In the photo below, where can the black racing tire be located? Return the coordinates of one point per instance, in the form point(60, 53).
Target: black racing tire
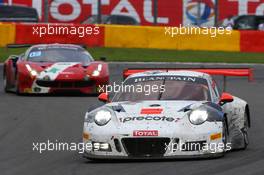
point(17, 86)
point(5, 82)
point(225, 134)
point(245, 131)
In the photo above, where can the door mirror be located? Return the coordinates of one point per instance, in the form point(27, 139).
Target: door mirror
point(103, 97)
point(14, 59)
point(226, 98)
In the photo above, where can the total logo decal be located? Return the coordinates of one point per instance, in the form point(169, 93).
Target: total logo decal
point(146, 133)
point(79, 10)
point(149, 118)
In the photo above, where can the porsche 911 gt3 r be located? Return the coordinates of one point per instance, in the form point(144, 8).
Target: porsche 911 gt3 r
point(52, 68)
point(186, 118)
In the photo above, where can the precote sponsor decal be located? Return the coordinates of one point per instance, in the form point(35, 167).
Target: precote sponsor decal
point(149, 118)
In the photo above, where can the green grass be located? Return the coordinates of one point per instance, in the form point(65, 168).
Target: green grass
point(155, 55)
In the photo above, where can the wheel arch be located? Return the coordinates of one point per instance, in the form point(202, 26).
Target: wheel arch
point(226, 121)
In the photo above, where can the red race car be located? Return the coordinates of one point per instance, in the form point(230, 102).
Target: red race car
point(51, 68)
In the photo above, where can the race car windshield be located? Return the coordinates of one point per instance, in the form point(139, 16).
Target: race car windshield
point(60, 55)
point(164, 88)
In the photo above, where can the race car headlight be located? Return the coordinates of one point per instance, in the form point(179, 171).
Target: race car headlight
point(98, 70)
point(96, 73)
point(34, 73)
point(31, 71)
point(102, 117)
point(198, 117)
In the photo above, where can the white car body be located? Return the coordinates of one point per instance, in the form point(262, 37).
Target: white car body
point(132, 135)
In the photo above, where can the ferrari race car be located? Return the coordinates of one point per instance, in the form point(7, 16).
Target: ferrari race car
point(184, 116)
point(51, 68)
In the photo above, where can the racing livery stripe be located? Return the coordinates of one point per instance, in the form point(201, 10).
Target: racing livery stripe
point(55, 70)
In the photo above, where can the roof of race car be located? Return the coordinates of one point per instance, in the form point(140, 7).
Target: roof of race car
point(57, 45)
point(172, 73)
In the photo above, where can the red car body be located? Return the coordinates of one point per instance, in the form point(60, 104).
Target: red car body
point(24, 76)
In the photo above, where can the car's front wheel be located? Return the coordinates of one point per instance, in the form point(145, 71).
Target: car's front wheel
point(245, 131)
point(225, 134)
point(5, 83)
point(17, 86)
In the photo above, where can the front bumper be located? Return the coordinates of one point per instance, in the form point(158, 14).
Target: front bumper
point(113, 157)
point(46, 90)
point(152, 148)
point(28, 84)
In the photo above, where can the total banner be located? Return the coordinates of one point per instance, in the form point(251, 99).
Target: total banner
point(169, 13)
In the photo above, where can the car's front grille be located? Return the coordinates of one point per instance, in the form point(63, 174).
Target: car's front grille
point(117, 145)
point(145, 147)
point(64, 84)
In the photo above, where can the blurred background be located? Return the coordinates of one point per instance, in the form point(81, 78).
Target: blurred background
point(142, 22)
point(142, 12)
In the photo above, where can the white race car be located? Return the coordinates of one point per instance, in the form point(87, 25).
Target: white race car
point(168, 114)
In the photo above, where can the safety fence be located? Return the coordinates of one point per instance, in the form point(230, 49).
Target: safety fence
point(130, 37)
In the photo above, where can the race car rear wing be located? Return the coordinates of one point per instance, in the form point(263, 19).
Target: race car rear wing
point(225, 72)
point(11, 46)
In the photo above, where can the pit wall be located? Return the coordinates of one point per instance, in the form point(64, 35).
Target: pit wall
point(137, 37)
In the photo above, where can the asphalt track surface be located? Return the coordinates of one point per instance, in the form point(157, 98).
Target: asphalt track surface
point(28, 119)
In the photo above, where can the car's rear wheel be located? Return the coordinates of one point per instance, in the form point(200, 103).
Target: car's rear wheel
point(245, 131)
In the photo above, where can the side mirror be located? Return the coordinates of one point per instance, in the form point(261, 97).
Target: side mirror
point(14, 59)
point(102, 58)
point(226, 98)
point(103, 97)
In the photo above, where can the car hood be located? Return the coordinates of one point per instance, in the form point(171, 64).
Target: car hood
point(61, 70)
point(156, 113)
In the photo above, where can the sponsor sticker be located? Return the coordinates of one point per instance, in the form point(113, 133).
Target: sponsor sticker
point(149, 118)
point(216, 136)
point(35, 54)
point(151, 111)
point(146, 133)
